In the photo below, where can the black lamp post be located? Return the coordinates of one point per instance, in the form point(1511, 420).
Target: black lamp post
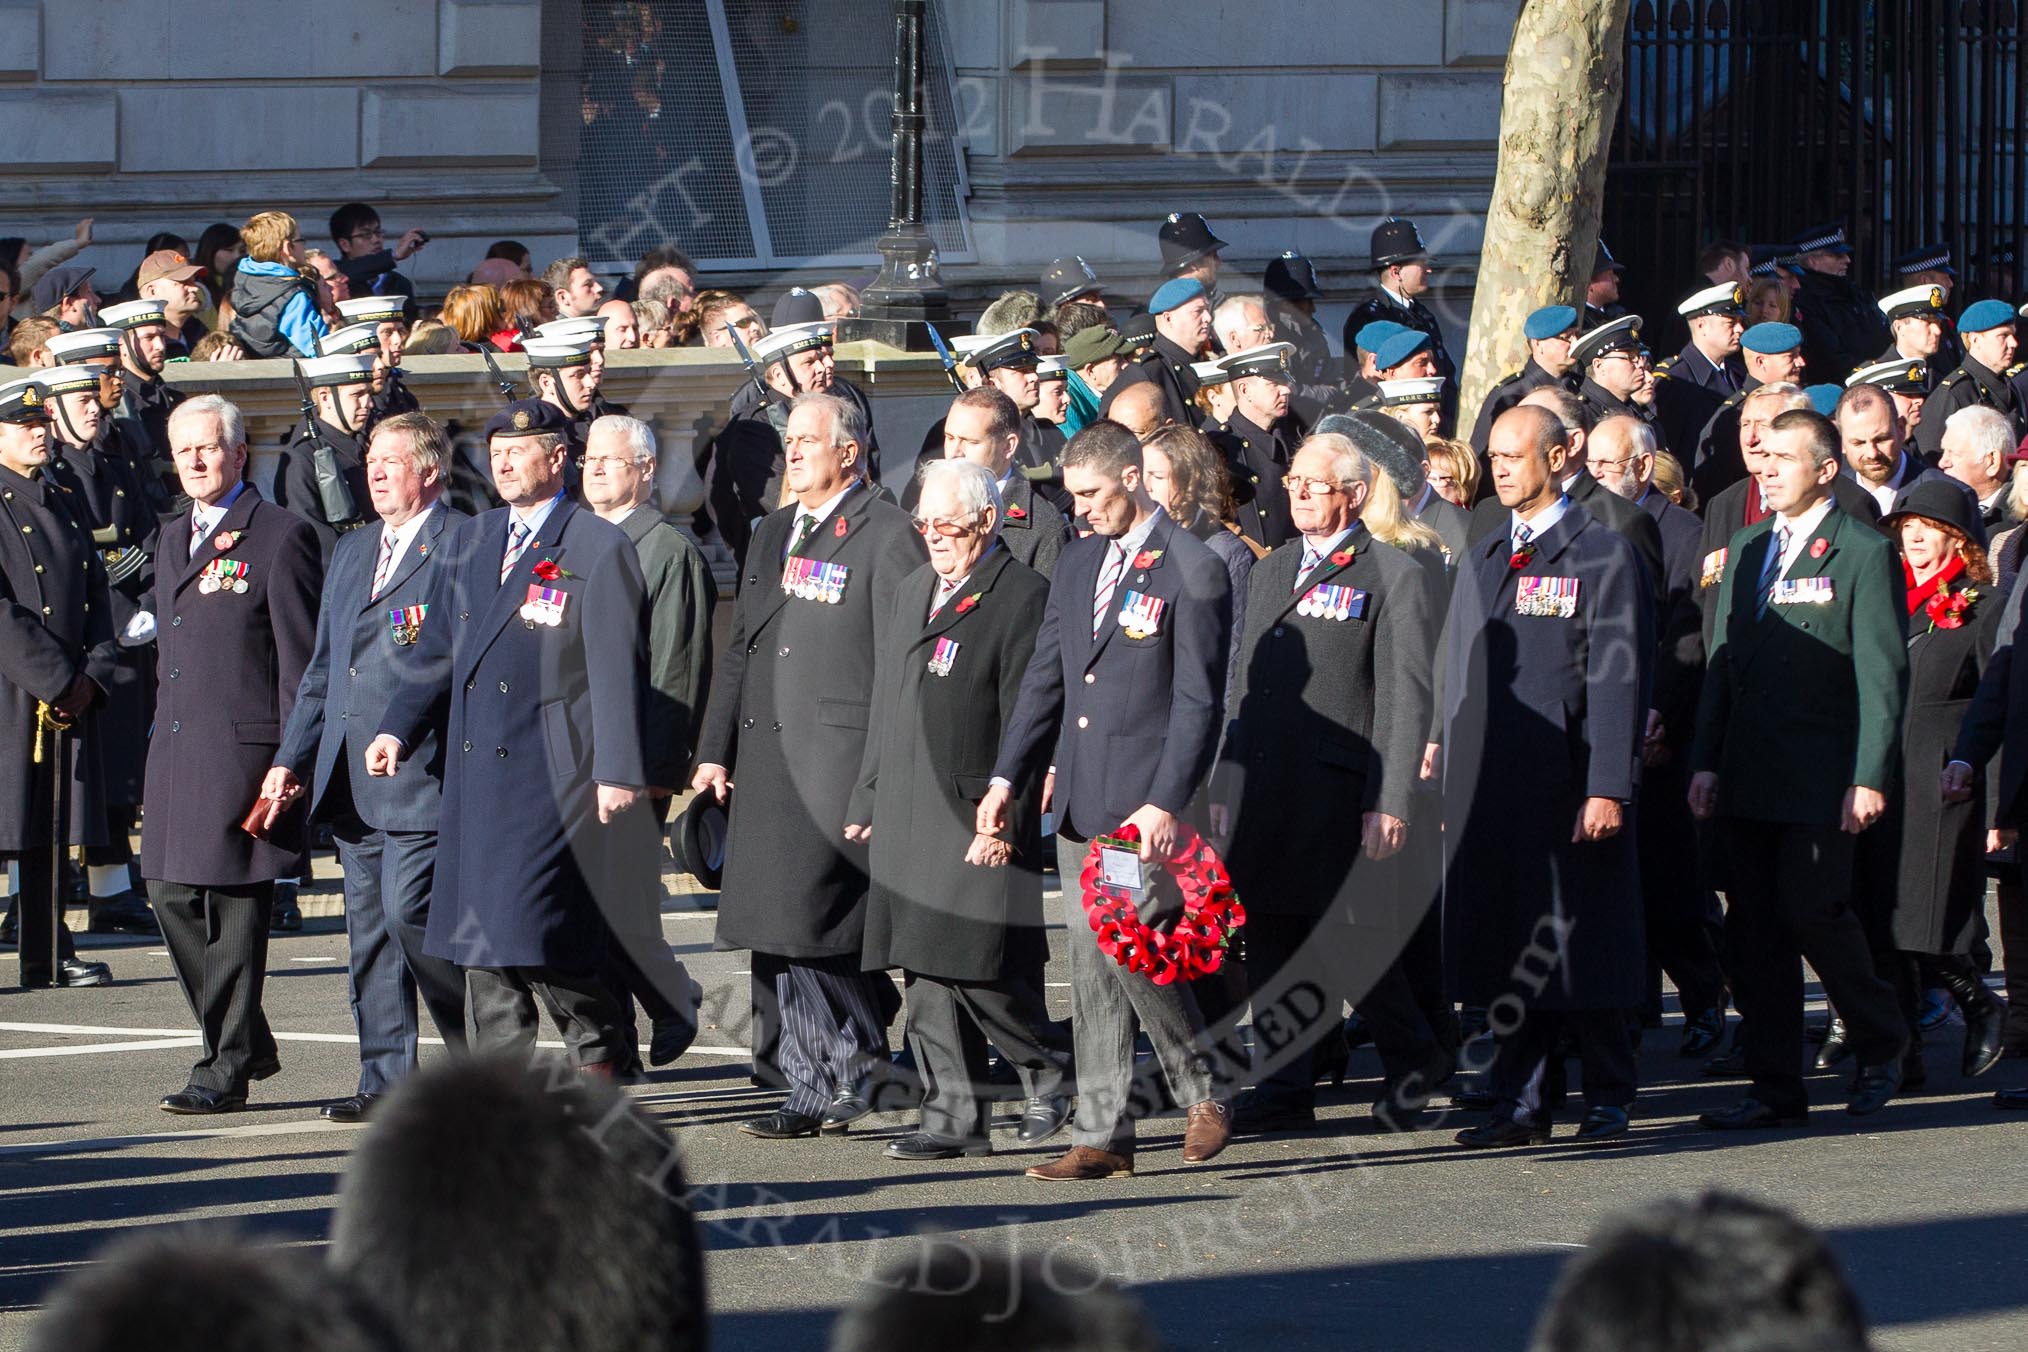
point(910, 288)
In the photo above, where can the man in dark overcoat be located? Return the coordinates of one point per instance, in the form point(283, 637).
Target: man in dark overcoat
point(535, 686)
point(236, 584)
point(787, 724)
point(372, 613)
point(959, 913)
point(57, 658)
point(1549, 649)
point(1327, 731)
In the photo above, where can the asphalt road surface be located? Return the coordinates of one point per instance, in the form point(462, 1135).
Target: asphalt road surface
point(1341, 1239)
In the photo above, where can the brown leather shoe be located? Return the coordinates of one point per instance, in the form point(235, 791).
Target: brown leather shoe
point(1081, 1162)
point(1206, 1130)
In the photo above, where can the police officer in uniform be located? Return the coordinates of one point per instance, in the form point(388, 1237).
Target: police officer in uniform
point(56, 656)
point(389, 316)
point(1181, 309)
point(1069, 279)
point(141, 417)
point(1401, 274)
point(1920, 324)
point(1772, 353)
point(1259, 439)
point(1550, 331)
point(112, 507)
point(1982, 378)
point(1190, 250)
point(341, 391)
point(1841, 323)
point(1602, 292)
point(1291, 293)
point(1930, 265)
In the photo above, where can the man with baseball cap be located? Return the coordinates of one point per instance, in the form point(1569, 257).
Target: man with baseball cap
point(65, 295)
point(1401, 273)
point(173, 280)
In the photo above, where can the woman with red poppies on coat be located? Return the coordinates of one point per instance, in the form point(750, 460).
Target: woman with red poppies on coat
point(1920, 872)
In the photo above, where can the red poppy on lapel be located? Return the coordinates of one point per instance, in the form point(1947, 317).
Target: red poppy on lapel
point(1947, 610)
point(547, 570)
point(226, 539)
point(968, 602)
point(1146, 558)
point(1341, 558)
point(1523, 556)
point(839, 529)
point(1017, 514)
point(1818, 548)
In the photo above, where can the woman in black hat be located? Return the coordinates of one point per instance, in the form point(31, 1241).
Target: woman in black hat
point(1920, 873)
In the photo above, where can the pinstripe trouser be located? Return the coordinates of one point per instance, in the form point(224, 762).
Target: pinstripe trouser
point(832, 1028)
point(217, 939)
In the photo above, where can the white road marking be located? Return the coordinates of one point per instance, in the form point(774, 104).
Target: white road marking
point(89, 1144)
point(89, 1048)
point(337, 959)
point(181, 1036)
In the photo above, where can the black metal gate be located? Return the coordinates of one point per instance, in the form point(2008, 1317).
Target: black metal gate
point(1754, 120)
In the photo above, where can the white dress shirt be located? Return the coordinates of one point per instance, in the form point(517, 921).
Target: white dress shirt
point(1544, 518)
point(1800, 530)
point(402, 537)
point(204, 519)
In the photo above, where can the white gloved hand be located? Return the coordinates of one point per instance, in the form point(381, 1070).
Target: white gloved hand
point(140, 629)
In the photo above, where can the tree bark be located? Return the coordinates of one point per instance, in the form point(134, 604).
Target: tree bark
point(1562, 97)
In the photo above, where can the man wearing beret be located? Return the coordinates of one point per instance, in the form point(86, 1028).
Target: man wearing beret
point(1984, 377)
point(1772, 353)
point(1550, 331)
point(1182, 311)
point(1401, 274)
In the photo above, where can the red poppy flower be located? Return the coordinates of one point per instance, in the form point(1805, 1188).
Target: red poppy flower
point(1146, 558)
point(224, 540)
point(1017, 514)
point(1818, 548)
point(968, 603)
point(1523, 556)
point(839, 529)
point(1341, 558)
point(1947, 610)
point(547, 570)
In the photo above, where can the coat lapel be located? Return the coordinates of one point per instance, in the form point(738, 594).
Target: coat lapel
point(507, 600)
point(979, 584)
point(1132, 578)
point(425, 543)
point(235, 519)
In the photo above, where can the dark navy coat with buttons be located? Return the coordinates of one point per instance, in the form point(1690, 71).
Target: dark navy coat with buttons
point(227, 666)
point(788, 717)
point(534, 717)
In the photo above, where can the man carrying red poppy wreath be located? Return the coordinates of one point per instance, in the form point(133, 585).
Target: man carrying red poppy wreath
point(1126, 684)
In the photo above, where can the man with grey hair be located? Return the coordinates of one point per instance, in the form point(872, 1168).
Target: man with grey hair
point(1241, 323)
point(788, 723)
point(619, 484)
point(1979, 451)
point(374, 605)
point(959, 912)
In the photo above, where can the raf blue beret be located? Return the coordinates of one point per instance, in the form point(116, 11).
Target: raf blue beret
point(1549, 321)
point(1985, 314)
point(1824, 398)
point(1768, 339)
point(1176, 292)
point(1399, 348)
point(1373, 335)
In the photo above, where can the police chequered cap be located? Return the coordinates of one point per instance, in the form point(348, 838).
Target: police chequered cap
point(351, 339)
point(1605, 262)
point(580, 329)
point(1270, 360)
point(1066, 279)
point(374, 309)
point(1727, 298)
point(1766, 258)
point(1052, 368)
point(1615, 335)
point(1292, 277)
point(1901, 376)
point(1771, 338)
point(526, 418)
point(1416, 390)
point(551, 353)
point(344, 368)
point(1982, 315)
point(1399, 347)
point(1006, 351)
point(83, 345)
point(1210, 373)
point(1396, 240)
point(22, 401)
point(1916, 300)
point(1926, 258)
point(135, 314)
point(1184, 238)
point(1371, 336)
point(781, 343)
point(69, 379)
point(1823, 239)
point(1548, 322)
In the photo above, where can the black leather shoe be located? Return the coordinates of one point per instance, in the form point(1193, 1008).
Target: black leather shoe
point(1873, 1086)
point(1702, 1032)
point(1264, 1117)
point(77, 972)
point(781, 1125)
point(848, 1104)
point(669, 1039)
point(1730, 1065)
point(354, 1109)
point(1042, 1118)
point(10, 927)
point(287, 916)
point(190, 1101)
point(1835, 1048)
point(127, 913)
point(1602, 1123)
point(2014, 1100)
point(922, 1145)
point(1473, 1098)
point(1502, 1131)
point(1391, 1116)
point(1751, 1115)
point(1985, 1021)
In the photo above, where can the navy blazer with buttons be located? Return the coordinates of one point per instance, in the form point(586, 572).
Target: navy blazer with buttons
point(353, 675)
point(1133, 721)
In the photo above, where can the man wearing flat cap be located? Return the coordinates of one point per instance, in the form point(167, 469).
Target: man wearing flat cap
point(1842, 324)
point(1181, 309)
point(1258, 439)
point(1550, 331)
point(1401, 272)
point(321, 476)
point(1987, 327)
point(65, 295)
point(1772, 353)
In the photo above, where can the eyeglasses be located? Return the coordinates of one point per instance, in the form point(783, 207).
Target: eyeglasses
point(607, 461)
point(368, 232)
point(1302, 488)
point(948, 527)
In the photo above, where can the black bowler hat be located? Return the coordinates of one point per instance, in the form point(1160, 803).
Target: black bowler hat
point(1396, 240)
point(1945, 501)
point(1185, 238)
point(1292, 277)
point(697, 839)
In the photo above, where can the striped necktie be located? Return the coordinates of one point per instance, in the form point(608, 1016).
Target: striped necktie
point(386, 564)
point(1522, 535)
point(196, 533)
point(517, 541)
point(1771, 571)
point(1109, 579)
point(1311, 558)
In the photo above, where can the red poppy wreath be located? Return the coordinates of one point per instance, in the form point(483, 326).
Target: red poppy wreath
point(1197, 944)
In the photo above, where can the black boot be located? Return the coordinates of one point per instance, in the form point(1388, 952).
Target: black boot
point(1835, 1048)
point(1985, 1019)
